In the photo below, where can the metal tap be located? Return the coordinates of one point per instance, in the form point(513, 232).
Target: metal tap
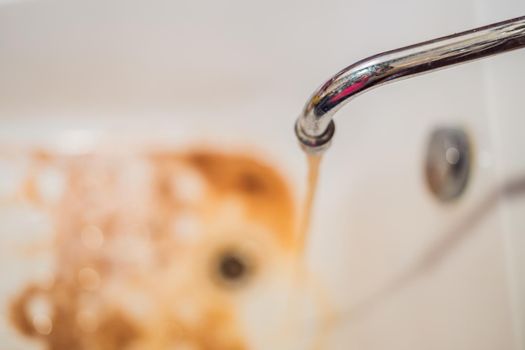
point(315, 128)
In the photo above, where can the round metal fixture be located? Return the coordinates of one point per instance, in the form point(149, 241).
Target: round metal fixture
point(448, 163)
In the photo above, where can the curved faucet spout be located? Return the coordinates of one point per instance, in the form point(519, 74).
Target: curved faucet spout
point(315, 128)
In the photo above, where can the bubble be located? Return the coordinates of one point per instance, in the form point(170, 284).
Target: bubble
point(42, 324)
point(88, 278)
point(92, 237)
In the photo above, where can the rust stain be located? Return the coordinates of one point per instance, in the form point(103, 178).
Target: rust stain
point(129, 235)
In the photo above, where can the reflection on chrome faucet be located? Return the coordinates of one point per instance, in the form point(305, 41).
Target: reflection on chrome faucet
point(315, 128)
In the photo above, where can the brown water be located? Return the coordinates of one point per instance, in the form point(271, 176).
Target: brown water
point(121, 230)
point(314, 161)
point(325, 310)
point(146, 202)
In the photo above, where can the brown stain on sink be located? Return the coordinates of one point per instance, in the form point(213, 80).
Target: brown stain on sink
point(134, 241)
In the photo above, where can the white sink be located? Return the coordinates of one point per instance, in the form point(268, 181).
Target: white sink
point(235, 74)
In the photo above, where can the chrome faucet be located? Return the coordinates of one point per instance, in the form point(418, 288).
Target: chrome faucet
point(315, 128)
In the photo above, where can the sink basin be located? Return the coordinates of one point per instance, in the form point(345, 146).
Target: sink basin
point(387, 264)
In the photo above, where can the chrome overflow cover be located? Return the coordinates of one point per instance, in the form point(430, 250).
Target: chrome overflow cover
point(448, 163)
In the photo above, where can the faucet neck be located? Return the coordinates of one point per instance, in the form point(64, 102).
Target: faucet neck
point(315, 127)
